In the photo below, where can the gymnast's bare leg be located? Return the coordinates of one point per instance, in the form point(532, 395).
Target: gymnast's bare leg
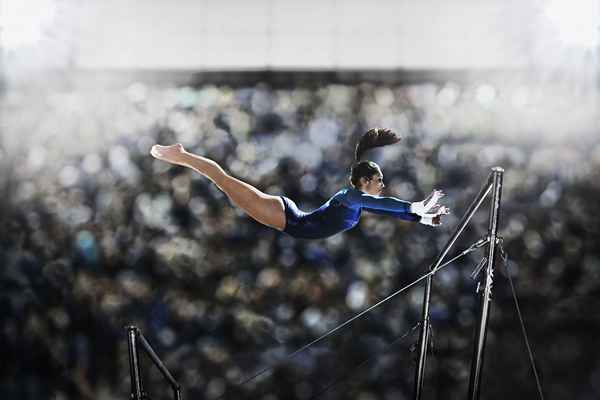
point(264, 208)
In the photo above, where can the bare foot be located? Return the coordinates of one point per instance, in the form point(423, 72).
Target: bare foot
point(172, 154)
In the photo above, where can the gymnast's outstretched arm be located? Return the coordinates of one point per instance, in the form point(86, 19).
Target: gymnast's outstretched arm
point(428, 211)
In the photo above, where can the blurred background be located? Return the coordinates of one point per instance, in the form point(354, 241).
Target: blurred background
point(96, 235)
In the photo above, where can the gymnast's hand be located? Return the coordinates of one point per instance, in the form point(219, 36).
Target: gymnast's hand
point(429, 205)
point(434, 217)
point(172, 154)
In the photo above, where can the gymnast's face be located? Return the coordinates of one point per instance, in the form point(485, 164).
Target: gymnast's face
point(374, 185)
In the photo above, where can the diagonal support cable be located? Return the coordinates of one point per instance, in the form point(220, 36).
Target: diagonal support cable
point(345, 377)
point(522, 322)
point(349, 321)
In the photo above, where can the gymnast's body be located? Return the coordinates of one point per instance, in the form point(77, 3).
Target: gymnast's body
point(340, 213)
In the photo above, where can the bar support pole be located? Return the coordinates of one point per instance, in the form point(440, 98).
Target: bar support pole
point(424, 335)
point(485, 294)
point(134, 363)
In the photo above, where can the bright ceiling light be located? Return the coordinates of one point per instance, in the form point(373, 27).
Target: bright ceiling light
point(24, 23)
point(577, 21)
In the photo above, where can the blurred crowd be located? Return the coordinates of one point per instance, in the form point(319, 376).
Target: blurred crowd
point(96, 235)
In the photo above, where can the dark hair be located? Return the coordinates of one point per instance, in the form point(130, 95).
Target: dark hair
point(375, 137)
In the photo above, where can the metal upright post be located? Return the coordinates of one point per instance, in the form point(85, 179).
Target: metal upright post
point(423, 341)
point(177, 393)
point(485, 294)
point(135, 337)
point(134, 363)
point(424, 336)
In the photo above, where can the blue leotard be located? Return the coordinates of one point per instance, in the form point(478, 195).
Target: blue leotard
point(341, 212)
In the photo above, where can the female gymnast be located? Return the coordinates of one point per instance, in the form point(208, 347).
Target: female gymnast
point(340, 213)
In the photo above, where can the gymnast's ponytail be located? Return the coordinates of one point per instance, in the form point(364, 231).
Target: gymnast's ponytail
point(375, 137)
